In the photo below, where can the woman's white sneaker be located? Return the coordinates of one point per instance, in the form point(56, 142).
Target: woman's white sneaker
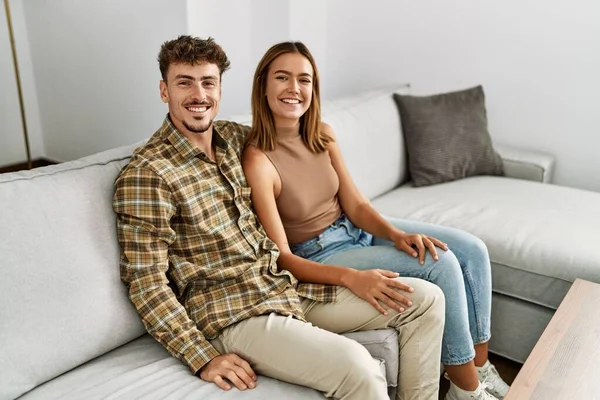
point(456, 393)
point(495, 384)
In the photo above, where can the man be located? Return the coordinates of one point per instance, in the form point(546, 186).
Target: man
point(203, 274)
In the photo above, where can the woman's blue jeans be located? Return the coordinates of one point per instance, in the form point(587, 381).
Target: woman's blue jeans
point(463, 273)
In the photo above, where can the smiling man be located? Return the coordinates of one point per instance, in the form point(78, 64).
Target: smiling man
point(201, 271)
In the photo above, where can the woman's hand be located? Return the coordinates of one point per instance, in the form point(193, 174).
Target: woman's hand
point(407, 242)
point(378, 286)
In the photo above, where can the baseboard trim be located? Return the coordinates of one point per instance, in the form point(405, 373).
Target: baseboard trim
point(36, 163)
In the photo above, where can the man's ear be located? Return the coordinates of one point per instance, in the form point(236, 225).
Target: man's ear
point(164, 94)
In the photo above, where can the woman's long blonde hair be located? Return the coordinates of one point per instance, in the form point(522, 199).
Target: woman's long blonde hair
point(262, 134)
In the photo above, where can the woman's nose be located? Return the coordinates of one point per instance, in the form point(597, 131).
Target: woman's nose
point(293, 86)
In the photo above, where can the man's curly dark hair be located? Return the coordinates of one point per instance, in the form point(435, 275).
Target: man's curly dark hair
point(191, 50)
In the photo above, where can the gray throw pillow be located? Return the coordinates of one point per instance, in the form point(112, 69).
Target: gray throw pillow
point(447, 137)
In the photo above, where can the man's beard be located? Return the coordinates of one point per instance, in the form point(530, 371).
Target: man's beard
point(198, 128)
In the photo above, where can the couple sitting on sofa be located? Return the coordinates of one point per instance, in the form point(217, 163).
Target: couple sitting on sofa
point(231, 295)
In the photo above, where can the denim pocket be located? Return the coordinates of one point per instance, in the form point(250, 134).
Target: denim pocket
point(340, 235)
point(349, 231)
point(307, 249)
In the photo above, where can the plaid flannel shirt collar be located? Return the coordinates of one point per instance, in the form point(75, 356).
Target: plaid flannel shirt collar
point(182, 144)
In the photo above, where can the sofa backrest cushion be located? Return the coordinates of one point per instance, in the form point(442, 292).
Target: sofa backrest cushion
point(61, 299)
point(369, 133)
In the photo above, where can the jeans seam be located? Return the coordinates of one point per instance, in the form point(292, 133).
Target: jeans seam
point(451, 359)
point(476, 306)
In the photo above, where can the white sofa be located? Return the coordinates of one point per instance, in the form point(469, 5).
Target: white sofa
point(68, 331)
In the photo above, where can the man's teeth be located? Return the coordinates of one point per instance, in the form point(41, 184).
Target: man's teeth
point(197, 109)
point(291, 101)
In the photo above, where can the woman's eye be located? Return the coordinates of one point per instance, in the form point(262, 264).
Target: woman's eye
point(281, 78)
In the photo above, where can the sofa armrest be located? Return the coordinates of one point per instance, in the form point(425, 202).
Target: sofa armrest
point(526, 164)
point(382, 344)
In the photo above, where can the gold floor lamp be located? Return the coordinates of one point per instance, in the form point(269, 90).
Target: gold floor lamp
point(18, 79)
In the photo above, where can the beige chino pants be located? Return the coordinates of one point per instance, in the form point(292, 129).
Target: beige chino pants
point(312, 354)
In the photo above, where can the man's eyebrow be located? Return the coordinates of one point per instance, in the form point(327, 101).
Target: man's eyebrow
point(282, 71)
point(180, 76)
point(202, 78)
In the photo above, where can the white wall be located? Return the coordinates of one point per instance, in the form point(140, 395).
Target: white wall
point(96, 71)
point(12, 142)
point(245, 30)
point(97, 76)
point(537, 60)
point(309, 24)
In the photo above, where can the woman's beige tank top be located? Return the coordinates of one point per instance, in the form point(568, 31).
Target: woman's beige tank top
point(308, 201)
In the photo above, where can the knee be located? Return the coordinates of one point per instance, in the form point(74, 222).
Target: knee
point(477, 249)
point(474, 258)
point(429, 298)
point(355, 358)
point(474, 248)
point(361, 372)
point(447, 268)
point(475, 243)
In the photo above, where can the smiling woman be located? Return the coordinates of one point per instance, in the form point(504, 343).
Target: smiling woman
point(289, 88)
point(286, 93)
point(328, 232)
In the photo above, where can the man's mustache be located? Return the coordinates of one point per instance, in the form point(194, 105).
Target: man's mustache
point(197, 103)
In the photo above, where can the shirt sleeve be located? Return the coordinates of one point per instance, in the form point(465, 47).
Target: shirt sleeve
point(144, 206)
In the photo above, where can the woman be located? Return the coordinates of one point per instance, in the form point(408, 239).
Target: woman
point(310, 207)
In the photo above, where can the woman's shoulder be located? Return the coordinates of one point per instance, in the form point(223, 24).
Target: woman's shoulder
point(327, 131)
point(325, 128)
point(253, 157)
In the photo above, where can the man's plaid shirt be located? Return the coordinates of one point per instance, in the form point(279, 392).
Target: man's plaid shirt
point(193, 254)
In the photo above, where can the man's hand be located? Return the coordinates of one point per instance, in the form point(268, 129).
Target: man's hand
point(408, 241)
point(232, 367)
point(377, 286)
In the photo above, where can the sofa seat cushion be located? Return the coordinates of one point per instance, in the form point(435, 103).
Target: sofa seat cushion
point(143, 369)
point(540, 237)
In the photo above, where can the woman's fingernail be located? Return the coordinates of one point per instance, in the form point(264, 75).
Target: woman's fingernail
point(402, 310)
